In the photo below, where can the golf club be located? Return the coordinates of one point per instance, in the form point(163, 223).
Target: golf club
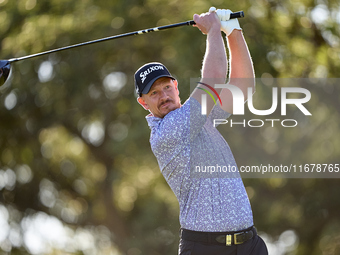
point(5, 65)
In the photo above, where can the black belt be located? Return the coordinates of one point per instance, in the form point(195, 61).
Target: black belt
point(219, 238)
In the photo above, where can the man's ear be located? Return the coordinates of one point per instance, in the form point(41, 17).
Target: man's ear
point(176, 86)
point(142, 102)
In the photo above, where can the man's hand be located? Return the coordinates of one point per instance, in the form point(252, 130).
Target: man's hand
point(227, 25)
point(207, 22)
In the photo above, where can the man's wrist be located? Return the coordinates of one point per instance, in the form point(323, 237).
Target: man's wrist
point(214, 31)
point(234, 32)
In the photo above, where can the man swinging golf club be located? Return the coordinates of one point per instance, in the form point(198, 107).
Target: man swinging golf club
point(215, 213)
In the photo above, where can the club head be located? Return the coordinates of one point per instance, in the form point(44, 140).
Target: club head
point(5, 68)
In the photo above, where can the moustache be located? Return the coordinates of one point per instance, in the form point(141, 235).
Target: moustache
point(166, 101)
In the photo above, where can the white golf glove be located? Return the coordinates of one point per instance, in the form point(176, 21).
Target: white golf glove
point(227, 24)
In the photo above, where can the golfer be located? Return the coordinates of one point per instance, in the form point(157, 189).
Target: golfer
point(215, 213)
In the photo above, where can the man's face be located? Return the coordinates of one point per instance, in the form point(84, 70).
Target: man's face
point(162, 98)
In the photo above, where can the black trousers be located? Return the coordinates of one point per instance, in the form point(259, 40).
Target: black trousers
point(254, 246)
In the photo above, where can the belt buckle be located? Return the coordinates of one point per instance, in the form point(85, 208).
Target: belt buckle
point(228, 240)
point(235, 238)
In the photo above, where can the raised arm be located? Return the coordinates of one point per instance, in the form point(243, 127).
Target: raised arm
point(241, 66)
point(214, 67)
point(215, 64)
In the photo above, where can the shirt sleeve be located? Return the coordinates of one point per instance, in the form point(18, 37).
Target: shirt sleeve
point(217, 113)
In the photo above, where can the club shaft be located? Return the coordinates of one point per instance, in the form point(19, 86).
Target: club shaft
point(186, 23)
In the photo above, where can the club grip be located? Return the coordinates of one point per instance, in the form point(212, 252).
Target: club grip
point(236, 15)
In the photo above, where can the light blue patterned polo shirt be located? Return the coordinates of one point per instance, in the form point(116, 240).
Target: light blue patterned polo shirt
point(184, 138)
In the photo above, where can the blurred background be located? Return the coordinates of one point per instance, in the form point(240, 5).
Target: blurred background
point(77, 175)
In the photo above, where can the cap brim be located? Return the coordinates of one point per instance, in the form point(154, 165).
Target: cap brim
point(149, 85)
